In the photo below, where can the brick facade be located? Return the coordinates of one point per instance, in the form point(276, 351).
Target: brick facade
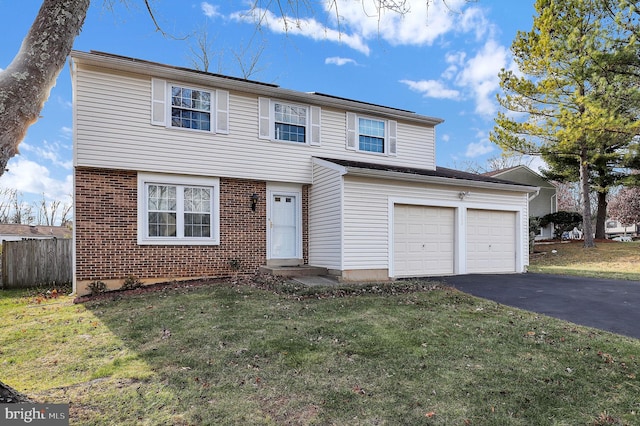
point(106, 233)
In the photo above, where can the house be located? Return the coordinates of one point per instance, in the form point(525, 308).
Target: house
point(613, 229)
point(542, 202)
point(17, 232)
point(181, 174)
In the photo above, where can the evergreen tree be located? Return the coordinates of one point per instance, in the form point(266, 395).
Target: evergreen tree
point(574, 95)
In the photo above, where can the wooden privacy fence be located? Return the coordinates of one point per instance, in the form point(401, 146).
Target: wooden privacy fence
point(30, 263)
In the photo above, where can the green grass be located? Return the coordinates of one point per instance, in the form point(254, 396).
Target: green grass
point(607, 260)
point(373, 355)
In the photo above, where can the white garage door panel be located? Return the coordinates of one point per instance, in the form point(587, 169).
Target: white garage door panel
point(423, 240)
point(491, 242)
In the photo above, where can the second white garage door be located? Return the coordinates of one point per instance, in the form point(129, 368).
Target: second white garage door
point(491, 242)
point(423, 240)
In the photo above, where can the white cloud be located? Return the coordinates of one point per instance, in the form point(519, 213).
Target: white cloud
point(209, 10)
point(432, 89)
point(336, 60)
point(308, 27)
point(481, 147)
point(422, 25)
point(32, 178)
point(49, 152)
point(473, 20)
point(66, 132)
point(480, 76)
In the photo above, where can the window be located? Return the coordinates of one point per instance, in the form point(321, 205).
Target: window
point(177, 210)
point(290, 122)
point(176, 106)
point(612, 224)
point(371, 135)
point(190, 108)
point(282, 121)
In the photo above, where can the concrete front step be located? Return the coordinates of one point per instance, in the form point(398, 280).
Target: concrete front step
point(294, 271)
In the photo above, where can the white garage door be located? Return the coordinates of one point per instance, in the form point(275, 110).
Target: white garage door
point(491, 241)
point(423, 241)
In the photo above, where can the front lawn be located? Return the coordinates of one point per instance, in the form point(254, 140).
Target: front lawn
point(609, 259)
point(237, 354)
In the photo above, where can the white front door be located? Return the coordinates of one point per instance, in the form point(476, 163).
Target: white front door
point(284, 226)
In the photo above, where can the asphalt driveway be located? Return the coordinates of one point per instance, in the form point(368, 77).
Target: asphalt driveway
point(611, 305)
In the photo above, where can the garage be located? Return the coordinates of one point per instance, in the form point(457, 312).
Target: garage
point(491, 241)
point(423, 240)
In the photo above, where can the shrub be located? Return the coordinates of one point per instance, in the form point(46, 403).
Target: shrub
point(562, 222)
point(97, 287)
point(131, 283)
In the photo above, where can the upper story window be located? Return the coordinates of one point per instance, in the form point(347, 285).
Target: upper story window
point(179, 106)
point(371, 134)
point(177, 210)
point(288, 122)
point(190, 108)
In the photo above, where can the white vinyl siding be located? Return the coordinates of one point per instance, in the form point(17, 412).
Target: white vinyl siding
point(366, 242)
point(114, 131)
point(325, 228)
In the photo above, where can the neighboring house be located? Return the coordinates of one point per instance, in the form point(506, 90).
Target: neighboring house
point(613, 228)
point(15, 232)
point(181, 174)
point(541, 202)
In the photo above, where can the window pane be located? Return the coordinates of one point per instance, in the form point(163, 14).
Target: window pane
point(162, 197)
point(197, 225)
point(197, 200)
point(288, 132)
point(162, 224)
point(368, 143)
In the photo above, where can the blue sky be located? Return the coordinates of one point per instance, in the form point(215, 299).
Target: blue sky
point(441, 62)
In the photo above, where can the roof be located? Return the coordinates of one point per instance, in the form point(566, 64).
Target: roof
point(501, 171)
point(34, 231)
point(440, 175)
point(156, 69)
point(512, 174)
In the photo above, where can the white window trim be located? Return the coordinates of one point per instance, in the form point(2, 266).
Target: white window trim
point(266, 119)
point(161, 106)
point(145, 179)
point(353, 134)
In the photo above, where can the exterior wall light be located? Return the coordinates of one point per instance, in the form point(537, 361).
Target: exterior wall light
point(463, 194)
point(254, 201)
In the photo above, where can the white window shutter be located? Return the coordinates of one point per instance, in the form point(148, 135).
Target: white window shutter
point(264, 121)
point(393, 138)
point(351, 130)
point(316, 114)
point(158, 102)
point(222, 111)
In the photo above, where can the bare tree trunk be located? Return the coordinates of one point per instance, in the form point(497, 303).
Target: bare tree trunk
point(601, 218)
point(585, 189)
point(25, 84)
